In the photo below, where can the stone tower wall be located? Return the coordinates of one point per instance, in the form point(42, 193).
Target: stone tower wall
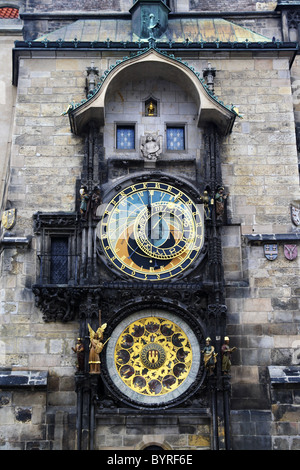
point(262, 177)
point(260, 170)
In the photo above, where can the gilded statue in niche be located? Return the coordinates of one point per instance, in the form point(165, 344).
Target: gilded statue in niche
point(151, 110)
point(8, 218)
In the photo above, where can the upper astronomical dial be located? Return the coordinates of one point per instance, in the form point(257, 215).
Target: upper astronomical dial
point(152, 231)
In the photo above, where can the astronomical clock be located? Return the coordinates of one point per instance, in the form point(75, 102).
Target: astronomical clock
point(152, 231)
point(139, 261)
point(150, 270)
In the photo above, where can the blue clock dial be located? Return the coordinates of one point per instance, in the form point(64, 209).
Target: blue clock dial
point(152, 231)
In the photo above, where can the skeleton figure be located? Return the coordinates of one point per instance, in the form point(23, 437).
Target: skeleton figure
point(152, 24)
point(84, 201)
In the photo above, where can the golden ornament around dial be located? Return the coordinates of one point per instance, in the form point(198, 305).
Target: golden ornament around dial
point(153, 356)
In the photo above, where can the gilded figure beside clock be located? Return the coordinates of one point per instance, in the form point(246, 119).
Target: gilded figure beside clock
point(152, 231)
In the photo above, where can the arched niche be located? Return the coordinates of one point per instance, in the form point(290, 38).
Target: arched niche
point(146, 65)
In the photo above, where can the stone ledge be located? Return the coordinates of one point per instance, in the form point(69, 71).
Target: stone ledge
point(115, 415)
point(273, 237)
point(15, 241)
point(284, 374)
point(23, 378)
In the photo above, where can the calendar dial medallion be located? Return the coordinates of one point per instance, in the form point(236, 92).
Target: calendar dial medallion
point(152, 231)
point(153, 358)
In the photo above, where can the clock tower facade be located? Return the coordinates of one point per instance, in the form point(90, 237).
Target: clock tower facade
point(156, 270)
point(150, 144)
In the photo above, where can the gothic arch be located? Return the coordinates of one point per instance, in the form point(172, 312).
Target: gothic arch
point(153, 63)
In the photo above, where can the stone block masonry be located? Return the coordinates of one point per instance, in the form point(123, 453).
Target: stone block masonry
point(260, 170)
point(43, 140)
point(226, 5)
point(285, 393)
point(75, 5)
point(27, 419)
point(169, 432)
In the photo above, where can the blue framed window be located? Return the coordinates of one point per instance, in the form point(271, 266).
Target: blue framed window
point(175, 138)
point(125, 137)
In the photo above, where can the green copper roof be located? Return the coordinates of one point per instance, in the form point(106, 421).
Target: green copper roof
point(222, 114)
point(119, 30)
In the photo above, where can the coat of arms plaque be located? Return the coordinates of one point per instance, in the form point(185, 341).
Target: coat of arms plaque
point(271, 251)
point(8, 219)
point(290, 252)
point(295, 213)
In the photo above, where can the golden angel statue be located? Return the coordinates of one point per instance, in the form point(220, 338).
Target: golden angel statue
point(96, 346)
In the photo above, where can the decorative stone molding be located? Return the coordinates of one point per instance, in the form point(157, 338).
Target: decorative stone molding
point(284, 375)
point(14, 241)
point(272, 237)
point(210, 108)
point(23, 378)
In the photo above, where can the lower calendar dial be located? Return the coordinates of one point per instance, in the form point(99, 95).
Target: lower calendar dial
point(153, 358)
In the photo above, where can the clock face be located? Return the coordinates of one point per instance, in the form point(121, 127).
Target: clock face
point(152, 231)
point(153, 357)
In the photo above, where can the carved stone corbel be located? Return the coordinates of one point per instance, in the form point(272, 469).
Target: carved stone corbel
point(56, 303)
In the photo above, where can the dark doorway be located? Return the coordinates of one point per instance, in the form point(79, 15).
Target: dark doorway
point(154, 447)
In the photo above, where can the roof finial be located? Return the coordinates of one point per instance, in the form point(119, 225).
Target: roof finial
point(92, 73)
point(210, 73)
